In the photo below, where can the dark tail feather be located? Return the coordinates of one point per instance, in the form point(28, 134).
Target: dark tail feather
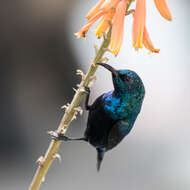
point(100, 156)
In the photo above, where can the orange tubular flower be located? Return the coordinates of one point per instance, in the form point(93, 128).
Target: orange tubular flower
point(118, 27)
point(105, 9)
point(109, 8)
point(140, 34)
point(114, 11)
point(148, 43)
point(110, 4)
point(104, 24)
point(139, 24)
point(162, 7)
point(82, 32)
point(95, 9)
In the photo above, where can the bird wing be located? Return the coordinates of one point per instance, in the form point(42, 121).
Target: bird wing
point(119, 130)
point(95, 108)
point(98, 125)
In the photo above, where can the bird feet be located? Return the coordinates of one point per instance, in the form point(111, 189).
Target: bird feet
point(55, 135)
point(58, 136)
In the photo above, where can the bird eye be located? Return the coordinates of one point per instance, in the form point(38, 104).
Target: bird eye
point(126, 78)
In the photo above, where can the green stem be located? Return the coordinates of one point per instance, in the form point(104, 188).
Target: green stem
point(47, 160)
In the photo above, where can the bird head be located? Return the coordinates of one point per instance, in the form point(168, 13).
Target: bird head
point(125, 81)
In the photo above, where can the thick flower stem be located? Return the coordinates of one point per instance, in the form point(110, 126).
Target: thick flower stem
point(70, 113)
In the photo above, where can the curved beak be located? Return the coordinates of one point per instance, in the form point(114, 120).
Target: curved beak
point(111, 69)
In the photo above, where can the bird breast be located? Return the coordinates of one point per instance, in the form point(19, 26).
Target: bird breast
point(116, 107)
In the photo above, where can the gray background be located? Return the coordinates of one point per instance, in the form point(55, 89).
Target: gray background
point(39, 56)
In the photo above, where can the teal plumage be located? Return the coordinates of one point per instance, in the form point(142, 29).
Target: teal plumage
point(124, 102)
point(112, 115)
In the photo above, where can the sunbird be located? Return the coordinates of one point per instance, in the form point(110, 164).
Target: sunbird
point(113, 114)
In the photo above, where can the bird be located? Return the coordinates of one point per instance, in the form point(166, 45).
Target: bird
point(112, 115)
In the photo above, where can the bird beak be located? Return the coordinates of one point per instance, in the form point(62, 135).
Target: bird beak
point(111, 69)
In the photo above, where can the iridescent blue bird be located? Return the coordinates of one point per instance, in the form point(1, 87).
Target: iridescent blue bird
point(112, 115)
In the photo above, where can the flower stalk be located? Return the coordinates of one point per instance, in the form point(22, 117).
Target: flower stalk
point(70, 113)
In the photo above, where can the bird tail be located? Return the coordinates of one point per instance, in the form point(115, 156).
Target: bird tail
point(100, 156)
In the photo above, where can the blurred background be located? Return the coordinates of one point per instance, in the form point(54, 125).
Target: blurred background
point(38, 59)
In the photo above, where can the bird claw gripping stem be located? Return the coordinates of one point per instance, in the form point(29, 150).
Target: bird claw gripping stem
point(59, 135)
point(55, 135)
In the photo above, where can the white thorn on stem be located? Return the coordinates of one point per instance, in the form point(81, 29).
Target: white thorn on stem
point(40, 161)
point(82, 90)
point(75, 90)
point(57, 156)
point(79, 72)
point(79, 110)
point(76, 111)
point(66, 107)
point(43, 179)
point(63, 129)
point(53, 133)
point(93, 64)
point(74, 117)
